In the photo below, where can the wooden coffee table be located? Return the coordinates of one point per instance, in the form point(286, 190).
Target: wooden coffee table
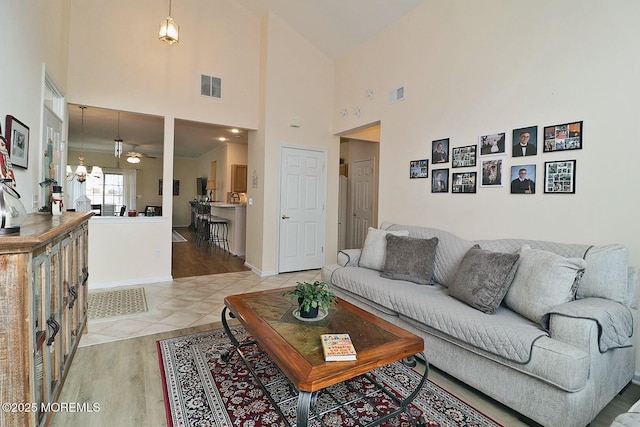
point(294, 345)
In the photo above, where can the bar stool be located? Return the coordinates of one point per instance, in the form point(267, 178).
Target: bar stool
point(219, 232)
point(203, 211)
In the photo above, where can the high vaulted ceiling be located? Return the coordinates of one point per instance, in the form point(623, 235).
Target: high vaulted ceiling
point(334, 26)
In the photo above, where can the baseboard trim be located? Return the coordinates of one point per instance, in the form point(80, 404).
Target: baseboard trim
point(130, 282)
point(260, 272)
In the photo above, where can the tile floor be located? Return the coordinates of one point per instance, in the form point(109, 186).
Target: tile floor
point(184, 302)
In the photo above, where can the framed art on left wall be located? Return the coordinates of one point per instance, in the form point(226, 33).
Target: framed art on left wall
point(17, 142)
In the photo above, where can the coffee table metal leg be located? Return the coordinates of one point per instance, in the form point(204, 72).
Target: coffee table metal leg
point(306, 401)
point(225, 325)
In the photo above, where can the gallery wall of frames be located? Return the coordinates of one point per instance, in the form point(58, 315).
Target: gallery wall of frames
point(461, 169)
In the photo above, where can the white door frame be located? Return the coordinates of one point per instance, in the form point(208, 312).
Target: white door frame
point(321, 150)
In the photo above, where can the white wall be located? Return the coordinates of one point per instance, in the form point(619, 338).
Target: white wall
point(477, 68)
point(32, 33)
point(298, 83)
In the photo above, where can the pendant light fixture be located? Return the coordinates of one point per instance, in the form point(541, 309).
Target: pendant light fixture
point(81, 170)
point(169, 29)
point(118, 141)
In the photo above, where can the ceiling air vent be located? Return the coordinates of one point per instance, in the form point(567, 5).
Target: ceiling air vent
point(211, 86)
point(396, 95)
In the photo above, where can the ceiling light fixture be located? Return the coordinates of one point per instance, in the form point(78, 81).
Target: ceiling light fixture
point(169, 29)
point(133, 159)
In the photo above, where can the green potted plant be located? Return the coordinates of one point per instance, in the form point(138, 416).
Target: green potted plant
point(311, 297)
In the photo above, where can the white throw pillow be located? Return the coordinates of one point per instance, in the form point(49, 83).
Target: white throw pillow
point(374, 251)
point(542, 281)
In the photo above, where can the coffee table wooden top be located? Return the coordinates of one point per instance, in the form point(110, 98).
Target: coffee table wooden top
point(295, 346)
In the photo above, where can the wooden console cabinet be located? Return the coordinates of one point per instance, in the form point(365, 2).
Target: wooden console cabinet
point(43, 311)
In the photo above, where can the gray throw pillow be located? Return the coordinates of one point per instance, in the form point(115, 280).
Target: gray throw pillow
point(483, 278)
point(374, 250)
point(543, 280)
point(410, 259)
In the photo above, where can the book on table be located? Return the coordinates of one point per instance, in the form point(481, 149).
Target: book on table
point(337, 347)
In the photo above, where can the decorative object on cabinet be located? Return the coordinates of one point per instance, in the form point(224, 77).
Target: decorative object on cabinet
point(12, 211)
point(567, 136)
point(18, 142)
point(560, 177)
point(44, 275)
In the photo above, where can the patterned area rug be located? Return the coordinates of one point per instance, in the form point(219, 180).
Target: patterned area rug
point(117, 303)
point(177, 237)
point(201, 389)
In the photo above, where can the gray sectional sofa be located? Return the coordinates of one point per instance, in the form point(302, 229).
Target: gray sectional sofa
point(545, 328)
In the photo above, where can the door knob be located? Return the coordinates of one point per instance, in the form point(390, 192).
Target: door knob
point(285, 217)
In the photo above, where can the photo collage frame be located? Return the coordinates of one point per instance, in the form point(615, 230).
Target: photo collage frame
point(493, 170)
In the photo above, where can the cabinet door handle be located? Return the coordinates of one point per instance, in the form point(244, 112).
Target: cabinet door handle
point(73, 292)
point(53, 324)
point(85, 275)
point(285, 217)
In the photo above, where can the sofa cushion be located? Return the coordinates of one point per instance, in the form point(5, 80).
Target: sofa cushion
point(542, 281)
point(374, 249)
point(410, 259)
point(483, 278)
point(450, 251)
point(605, 275)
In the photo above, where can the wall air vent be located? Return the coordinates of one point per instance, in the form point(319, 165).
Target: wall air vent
point(397, 94)
point(211, 86)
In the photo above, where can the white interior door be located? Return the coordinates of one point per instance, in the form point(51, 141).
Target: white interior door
point(363, 183)
point(302, 209)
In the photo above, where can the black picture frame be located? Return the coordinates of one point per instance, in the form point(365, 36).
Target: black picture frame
point(560, 177)
point(440, 180)
point(530, 146)
point(464, 157)
point(419, 169)
point(566, 136)
point(440, 151)
point(525, 184)
point(17, 137)
point(176, 187)
point(464, 182)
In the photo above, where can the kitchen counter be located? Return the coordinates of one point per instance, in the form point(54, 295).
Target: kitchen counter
point(236, 213)
point(228, 205)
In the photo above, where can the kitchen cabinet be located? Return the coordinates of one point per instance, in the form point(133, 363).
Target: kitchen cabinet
point(43, 292)
point(239, 178)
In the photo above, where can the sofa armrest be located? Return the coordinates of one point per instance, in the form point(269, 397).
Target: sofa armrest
point(349, 257)
point(574, 322)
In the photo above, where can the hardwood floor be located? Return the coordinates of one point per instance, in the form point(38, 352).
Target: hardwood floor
point(189, 260)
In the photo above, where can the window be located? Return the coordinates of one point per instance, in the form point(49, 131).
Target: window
point(106, 190)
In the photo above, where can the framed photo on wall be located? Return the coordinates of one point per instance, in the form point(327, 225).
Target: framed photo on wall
point(523, 179)
point(560, 177)
point(464, 156)
point(419, 169)
point(440, 181)
point(17, 142)
point(176, 187)
point(492, 173)
point(567, 136)
point(525, 142)
point(492, 144)
point(463, 182)
point(440, 151)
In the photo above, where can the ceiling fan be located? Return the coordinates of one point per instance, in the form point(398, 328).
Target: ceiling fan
point(134, 156)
